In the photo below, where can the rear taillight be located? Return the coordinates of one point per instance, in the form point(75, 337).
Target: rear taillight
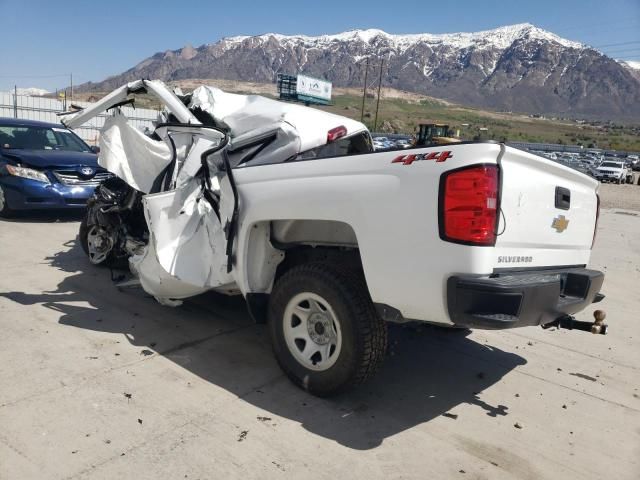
point(469, 205)
point(336, 133)
point(595, 229)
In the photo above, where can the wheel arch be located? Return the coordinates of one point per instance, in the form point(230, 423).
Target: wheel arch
point(273, 247)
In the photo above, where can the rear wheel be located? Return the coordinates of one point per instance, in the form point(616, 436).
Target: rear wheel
point(327, 335)
point(5, 210)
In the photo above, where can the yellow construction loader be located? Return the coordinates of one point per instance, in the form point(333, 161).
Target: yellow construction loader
point(430, 134)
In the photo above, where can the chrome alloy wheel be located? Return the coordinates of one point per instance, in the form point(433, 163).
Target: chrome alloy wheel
point(312, 331)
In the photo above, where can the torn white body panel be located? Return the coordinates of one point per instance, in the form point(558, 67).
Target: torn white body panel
point(249, 116)
point(119, 95)
point(187, 237)
point(157, 282)
point(189, 144)
point(186, 251)
point(131, 155)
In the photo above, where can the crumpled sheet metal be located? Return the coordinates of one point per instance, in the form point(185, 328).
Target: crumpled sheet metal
point(187, 236)
point(185, 255)
point(244, 114)
point(130, 154)
point(186, 251)
point(155, 87)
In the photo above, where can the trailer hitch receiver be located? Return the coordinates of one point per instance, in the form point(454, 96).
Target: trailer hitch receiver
point(568, 322)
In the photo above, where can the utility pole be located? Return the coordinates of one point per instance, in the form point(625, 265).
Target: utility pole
point(375, 122)
point(15, 101)
point(71, 83)
point(364, 91)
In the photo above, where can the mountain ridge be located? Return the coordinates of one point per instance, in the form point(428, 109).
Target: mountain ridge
point(518, 67)
point(501, 34)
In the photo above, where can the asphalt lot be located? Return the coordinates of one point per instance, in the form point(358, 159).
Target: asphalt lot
point(98, 383)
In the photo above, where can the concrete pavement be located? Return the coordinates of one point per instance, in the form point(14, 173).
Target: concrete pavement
point(98, 383)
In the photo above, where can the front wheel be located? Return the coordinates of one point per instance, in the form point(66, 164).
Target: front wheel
point(5, 210)
point(97, 243)
point(326, 333)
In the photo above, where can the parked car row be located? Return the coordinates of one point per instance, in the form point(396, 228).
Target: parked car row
point(384, 143)
point(600, 167)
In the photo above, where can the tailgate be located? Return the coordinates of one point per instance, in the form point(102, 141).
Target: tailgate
point(548, 212)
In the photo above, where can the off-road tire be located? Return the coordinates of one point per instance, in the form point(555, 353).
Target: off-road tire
point(364, 333)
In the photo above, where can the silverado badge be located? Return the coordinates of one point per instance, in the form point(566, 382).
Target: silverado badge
point(560, 223)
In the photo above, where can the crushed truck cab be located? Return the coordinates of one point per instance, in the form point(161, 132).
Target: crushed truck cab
point(327, 240)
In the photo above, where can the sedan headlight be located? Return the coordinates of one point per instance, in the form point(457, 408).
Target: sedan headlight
point(29, 173)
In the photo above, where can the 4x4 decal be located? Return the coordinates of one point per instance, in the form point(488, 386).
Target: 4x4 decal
point(409, 159)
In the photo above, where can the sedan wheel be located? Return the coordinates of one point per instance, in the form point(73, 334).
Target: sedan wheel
point(5, 211)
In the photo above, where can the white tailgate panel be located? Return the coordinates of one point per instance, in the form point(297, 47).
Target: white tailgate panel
point(528, 205)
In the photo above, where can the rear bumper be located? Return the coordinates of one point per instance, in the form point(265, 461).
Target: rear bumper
point(26, 194)
point(510, 300)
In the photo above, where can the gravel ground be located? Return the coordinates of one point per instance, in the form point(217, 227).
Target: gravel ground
point(625, 196)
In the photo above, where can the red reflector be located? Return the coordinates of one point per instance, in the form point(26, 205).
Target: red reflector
point(469, 205)
point(336, 133)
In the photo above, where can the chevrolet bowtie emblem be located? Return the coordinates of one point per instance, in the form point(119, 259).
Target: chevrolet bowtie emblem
point(560, 223)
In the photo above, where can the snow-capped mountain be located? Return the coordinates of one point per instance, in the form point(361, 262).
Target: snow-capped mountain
point(499, 38)
point(519, 67)
point(632, 67)
point(32, 91)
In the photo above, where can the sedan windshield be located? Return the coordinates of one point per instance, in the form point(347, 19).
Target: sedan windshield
point(40, 138)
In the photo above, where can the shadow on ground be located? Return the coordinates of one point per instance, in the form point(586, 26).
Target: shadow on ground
point(427, 372)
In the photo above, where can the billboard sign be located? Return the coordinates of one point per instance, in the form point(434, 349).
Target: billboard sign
point(314, 88)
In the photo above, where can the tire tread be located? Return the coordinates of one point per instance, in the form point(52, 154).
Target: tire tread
point(352, 290)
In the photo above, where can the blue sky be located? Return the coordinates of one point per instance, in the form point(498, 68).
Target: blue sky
point(42, 39)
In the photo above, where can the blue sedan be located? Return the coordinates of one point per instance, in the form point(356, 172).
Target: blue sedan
point(44, 165)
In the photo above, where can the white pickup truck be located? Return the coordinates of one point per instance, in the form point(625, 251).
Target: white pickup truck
point(289, 207)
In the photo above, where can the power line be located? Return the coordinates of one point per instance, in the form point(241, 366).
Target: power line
point(590, 27)
point(622, 50)
point(35, 76)
point(617, 44)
